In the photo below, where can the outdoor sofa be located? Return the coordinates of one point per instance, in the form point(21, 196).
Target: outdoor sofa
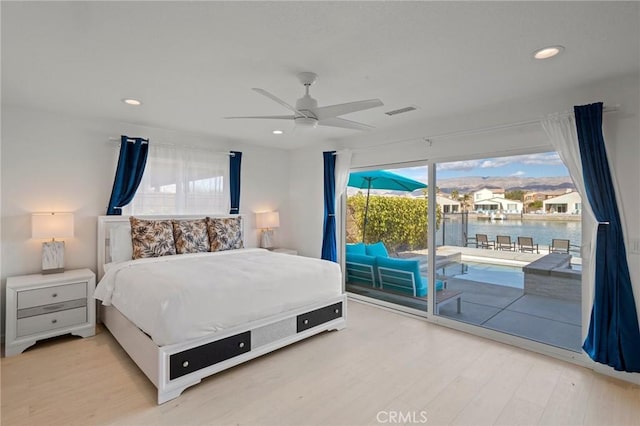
point(370, 264)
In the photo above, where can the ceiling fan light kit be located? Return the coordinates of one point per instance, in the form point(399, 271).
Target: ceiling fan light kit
point(308, 114)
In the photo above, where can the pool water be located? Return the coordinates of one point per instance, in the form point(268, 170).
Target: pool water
point(508, 276)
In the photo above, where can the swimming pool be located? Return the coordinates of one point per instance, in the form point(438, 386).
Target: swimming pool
point(508, 276)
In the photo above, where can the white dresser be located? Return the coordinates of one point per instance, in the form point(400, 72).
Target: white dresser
point(42, 306)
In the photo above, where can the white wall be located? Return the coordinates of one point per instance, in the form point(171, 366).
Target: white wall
point(52, 162)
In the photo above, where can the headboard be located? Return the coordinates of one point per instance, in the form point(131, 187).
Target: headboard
point(107, 223)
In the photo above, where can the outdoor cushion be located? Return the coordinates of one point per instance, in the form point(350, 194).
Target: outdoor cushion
point(357, 248)
point(401, 281)
point(377, 249)
point(361, 258)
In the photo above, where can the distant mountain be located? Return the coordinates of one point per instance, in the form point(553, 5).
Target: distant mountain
point(508, 183)
point(470, 184)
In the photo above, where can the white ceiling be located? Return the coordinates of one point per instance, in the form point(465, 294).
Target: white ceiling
point(192, 63)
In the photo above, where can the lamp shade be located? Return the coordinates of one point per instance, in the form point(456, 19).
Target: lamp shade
point(267, 220)
point(51, 225)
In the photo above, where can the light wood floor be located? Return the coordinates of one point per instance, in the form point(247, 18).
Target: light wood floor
point(381, 363)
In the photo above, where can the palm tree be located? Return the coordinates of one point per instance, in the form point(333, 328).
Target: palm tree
point(465, 201)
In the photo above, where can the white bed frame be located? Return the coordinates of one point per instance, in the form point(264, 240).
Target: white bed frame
point(264, 335)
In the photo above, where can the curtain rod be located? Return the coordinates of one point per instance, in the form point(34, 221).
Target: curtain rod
point(429, 139)
point(114, 139)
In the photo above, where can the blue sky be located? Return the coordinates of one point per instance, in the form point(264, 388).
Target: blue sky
point(532, 165)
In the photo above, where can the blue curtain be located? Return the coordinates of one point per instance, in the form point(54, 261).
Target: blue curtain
point(614, 336)
point(329, 250)
point(235, 161)
point(131, 162)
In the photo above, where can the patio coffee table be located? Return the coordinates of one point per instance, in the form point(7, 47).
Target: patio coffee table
point(444, 297)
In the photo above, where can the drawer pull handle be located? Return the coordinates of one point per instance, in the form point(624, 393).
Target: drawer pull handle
point(185, 364)
point(241, 345)
point(54, 295)
point(337, 311)
point(305, 321)
point(53, 321)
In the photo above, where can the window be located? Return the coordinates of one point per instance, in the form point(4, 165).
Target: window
point(182, 180)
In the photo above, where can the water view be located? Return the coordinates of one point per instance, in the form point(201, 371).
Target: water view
point(542, 232)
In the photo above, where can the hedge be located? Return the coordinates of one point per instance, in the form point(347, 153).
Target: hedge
point(399, 222)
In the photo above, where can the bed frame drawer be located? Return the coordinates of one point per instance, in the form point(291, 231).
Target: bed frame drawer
point(319, 316)
point(201, 357)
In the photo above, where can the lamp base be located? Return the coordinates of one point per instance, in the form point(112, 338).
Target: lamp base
point(267, 238)
point(53, 257)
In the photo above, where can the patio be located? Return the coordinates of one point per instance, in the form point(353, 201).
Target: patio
point(543, 318)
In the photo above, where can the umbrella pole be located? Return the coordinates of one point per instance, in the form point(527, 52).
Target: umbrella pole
point(366, 211)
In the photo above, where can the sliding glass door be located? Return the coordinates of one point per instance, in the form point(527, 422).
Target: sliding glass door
point(508, 247)
point(387, 236)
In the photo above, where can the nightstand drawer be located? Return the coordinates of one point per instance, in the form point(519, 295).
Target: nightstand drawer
point(50, 295)
point(40, 323)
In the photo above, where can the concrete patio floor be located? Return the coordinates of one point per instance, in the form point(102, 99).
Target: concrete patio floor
point(543, 319)
point(548, 320)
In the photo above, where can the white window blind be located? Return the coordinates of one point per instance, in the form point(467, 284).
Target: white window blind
point(182, 180)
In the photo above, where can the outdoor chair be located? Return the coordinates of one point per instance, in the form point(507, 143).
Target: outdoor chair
point(469, 241)
point(526, 244)
point(403, 276)
point(361, 262)
point(360, 267)
point(504, 243)
point(559, 246)
point(482, 241)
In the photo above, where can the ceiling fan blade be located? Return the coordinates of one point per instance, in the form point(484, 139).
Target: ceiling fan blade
point(274, 117)
point(341, 109)
point(280, 101)
point(345, 124)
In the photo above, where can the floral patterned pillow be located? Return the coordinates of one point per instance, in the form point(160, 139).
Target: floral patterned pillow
point(191, 236)
point(151, 238)
point(225, 233)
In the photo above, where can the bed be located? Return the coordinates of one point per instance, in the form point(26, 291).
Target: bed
point(241, 304)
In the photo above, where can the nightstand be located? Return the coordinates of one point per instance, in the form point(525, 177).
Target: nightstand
point(42, 306)
point(285, 251)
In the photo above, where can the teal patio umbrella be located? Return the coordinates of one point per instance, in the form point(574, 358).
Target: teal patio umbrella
point(381, 179)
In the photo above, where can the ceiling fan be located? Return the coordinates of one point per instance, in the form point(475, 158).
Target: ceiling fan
point(308, 114)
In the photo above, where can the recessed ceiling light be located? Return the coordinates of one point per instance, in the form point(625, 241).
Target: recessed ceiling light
point(131, 101)
point(277, 132)
point(547, 52)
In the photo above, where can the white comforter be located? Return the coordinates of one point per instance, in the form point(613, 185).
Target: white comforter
point(183, 297)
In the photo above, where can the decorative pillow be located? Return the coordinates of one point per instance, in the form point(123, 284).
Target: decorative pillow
point(191, 236)
point(151, 238)
point(377, 249)
point(357, 248)
point(225, 233)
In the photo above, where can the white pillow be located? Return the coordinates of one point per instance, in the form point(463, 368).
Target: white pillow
point(120, 243)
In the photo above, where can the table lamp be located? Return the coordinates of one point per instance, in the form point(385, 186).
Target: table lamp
point(267, 221)
point(52, 225)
